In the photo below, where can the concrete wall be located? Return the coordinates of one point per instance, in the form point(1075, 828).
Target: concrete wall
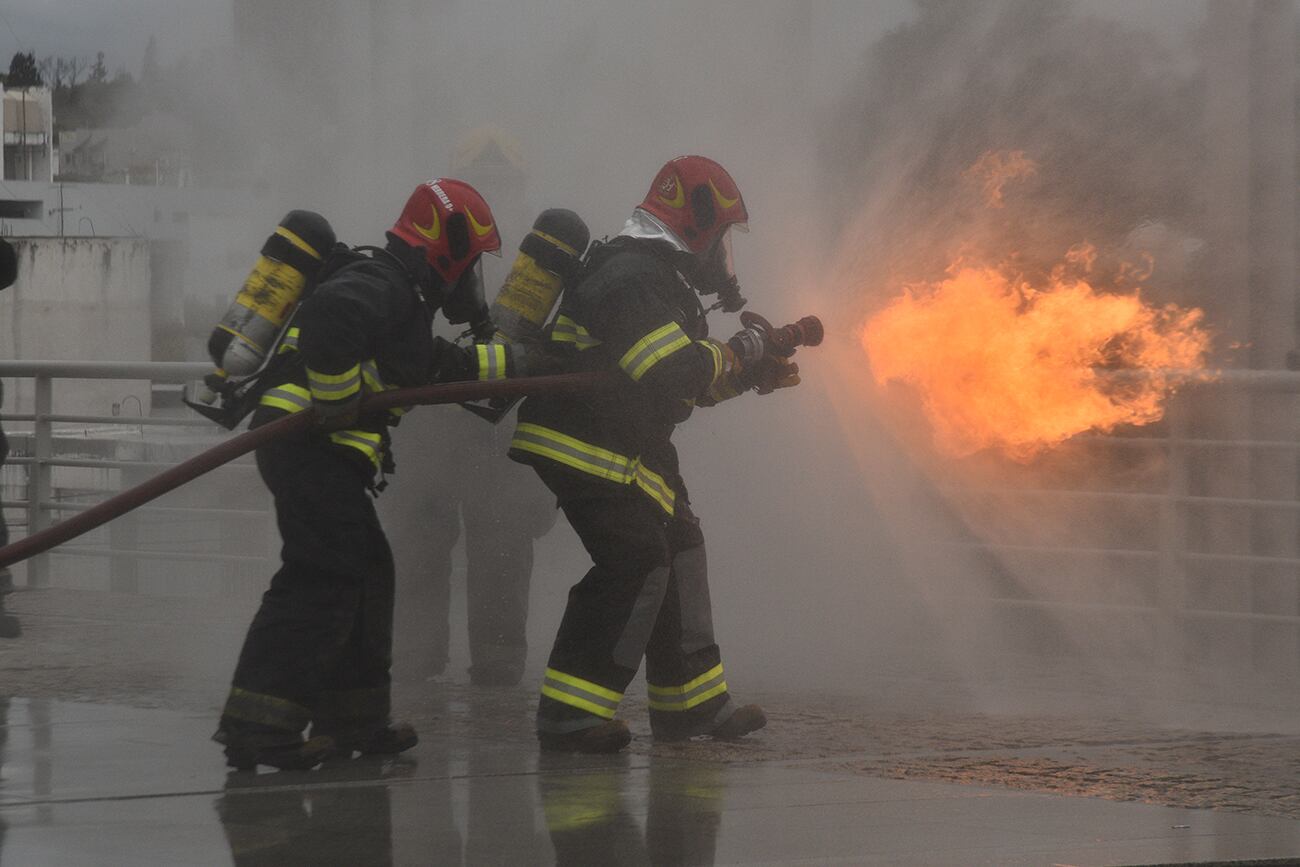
point(79, 299)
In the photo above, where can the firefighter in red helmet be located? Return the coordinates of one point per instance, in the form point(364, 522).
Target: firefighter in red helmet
point(319, 649)
point(610, 461)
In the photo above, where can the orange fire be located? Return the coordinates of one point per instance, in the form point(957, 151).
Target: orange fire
point(995, 169)
point(1003, 364)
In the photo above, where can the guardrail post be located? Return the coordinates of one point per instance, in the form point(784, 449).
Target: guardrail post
point(1171, 595)
point(40, 488)
point(124, 539)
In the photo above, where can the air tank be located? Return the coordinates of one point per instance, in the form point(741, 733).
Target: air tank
point(283, 274)
point(549, 256)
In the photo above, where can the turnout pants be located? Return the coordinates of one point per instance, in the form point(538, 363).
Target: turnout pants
point(320, 647)
point(646, 594)
point(503, 509)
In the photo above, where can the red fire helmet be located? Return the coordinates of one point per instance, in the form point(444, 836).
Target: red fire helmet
point(451, 222)
point(696, 199)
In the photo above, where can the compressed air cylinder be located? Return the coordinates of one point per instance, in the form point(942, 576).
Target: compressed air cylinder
point(549, 256)
point(286, 268)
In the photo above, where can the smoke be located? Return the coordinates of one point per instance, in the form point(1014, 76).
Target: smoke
point(843, 550)
point(1005, 134)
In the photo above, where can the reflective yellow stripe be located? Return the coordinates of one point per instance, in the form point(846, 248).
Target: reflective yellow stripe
point(288, 397)
point(290, 341)
point(269, 710)
point(568, 331)
point(368, 443)
point(294, 398)
point(579, 693)
point(370, 377)
point(491, 361)
point(653, 348)
point(594, 460)
point(691, 702)
point(572, 452)
point(551, 239)
point(686, 687)
point(374, 384)
point(298, 242)
point(332, 387)
point(688, 695)
point(716, 352)
point(654, 484)
point(575, 701)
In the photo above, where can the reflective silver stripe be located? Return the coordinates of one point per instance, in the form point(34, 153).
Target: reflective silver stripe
point(491, 361)
point(681, 698)
point(369, 444)
point(631, 644)
point(370, 376)
point(691, 572)
point(591, 459)
point(568, 331)
point(580, 693)
point(653, 348)
point(291, 398)
point(334, 386)
point(718, 363)
point(654, 485)
point(567, 450)
point(290, 341)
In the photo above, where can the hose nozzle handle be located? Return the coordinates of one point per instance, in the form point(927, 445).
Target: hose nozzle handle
point(783, 341)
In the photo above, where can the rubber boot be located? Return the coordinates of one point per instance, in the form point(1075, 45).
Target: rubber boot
point(749, 718)
point(245, 751)
point(387, 739)
point(739, 723)
point(608, 737)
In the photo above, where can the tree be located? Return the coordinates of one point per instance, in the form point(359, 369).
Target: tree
point(23, 71)
point(149, 74)
point(98, 72)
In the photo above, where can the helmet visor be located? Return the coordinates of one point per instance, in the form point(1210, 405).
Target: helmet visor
point(465, 301)
point(719, 274)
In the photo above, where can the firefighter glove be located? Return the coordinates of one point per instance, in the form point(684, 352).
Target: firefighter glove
point(773, 372)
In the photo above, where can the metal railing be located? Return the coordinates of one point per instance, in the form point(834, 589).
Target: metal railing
point(117, 451)
point(1217, 527)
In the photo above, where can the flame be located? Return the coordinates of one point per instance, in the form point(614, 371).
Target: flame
point(1003, 364)
point(995, 169)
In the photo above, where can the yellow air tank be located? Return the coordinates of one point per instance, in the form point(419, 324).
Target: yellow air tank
point(549, 256)
point(284, 273)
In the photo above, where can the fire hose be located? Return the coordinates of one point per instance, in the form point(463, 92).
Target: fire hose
point(187, 471)
point(778, 341)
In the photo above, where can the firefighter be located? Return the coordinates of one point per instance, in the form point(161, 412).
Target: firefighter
point(319, 648)
point(611, 464)
point(501, 505)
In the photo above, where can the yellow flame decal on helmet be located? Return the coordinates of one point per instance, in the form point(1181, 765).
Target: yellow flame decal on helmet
point(434, 230)
point(679, 200)
point(479, 229)
point(723, 201)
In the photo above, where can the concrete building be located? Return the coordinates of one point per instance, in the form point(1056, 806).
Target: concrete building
point(28, 142)
point(155, 152)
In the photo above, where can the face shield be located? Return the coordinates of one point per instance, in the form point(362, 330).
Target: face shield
point(464, 302)
point(717, 273)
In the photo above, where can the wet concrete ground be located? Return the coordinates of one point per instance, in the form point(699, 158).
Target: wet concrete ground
point(105, 760)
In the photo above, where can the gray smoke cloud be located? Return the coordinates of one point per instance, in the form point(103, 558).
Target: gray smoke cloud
point(837, 546)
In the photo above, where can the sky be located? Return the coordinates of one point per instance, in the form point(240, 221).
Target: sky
point(120, 28)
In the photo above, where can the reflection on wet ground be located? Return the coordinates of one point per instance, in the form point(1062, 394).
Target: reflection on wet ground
point(85, 783)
